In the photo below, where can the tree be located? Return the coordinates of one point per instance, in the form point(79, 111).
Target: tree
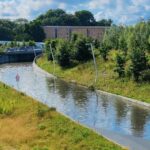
point(82, 50)
point(54, 44)
point(122, 42)
point(35, 31)
point(104, 49)
point(85, 18)
point(139, 63)
point(111, 37)
point(63, 54)
point(6, 30)
point(104, 22)
point(120, 65)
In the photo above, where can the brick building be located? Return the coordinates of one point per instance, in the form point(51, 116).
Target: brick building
point(65, 32)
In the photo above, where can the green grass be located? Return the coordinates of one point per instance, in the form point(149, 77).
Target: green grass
point(26, 124)
point(107, 80)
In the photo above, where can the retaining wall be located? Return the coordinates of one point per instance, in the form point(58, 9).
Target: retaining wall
point(17, 57)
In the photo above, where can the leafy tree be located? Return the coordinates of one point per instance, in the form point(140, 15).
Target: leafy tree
point(104, 49)
point(63, 53)
point(54, 44)
point(85, 18)
point(82, 50)
point(123, 43)
point(111, 37)
point(104, 22)
point(35, 31)
point(139, 37)
point(139, 63)
point(6, 29)
point(120, 65)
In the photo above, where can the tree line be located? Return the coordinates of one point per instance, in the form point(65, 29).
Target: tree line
point(24, 30)
point(59, 17)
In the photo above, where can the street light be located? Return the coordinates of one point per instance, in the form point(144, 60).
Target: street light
point(53, 66)
point(94, 59)
point(52, 58)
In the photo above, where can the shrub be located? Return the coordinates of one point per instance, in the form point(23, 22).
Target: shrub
point(120, 65)
point(104, 49)
point(31, 43)
point(82, 50)
point(139, 63)
point(63, 53)
point(145, 75)
point(47, 48)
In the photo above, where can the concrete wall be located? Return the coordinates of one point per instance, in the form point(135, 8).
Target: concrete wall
point(16, 57)
point(96, 32)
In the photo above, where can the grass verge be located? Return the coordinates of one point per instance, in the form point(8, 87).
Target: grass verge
point(107, 81)
point(26, 124)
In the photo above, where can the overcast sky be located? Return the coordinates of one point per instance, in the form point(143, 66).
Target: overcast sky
point(120, 11)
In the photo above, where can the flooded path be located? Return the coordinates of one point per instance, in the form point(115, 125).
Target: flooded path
point(118, 120)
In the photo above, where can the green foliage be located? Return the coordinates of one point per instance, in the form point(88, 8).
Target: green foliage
point(31, 43)
point(111, 37)
point(122, 42)
point(12, 30)
point(82, 50)
point(35, 31)
point(63, 53)
point(104, 49)
point(120, 65)
point(105, 22)
point(134, 43)
point(53, 44)
point(145, 75)
point(85, 18)
point(6, 29)
point(139, 37)
point(54, 17)
point(139, 63)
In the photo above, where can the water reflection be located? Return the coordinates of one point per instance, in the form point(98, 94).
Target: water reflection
point(105, 102)
point(79, 95)
point(138, 121)
point(121, 110)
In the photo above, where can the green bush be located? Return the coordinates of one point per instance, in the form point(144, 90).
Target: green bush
point(63, 53)
point(31, 43)
point(145, 75)
point(139, 63)
point(120, 65)
point(82, 50)
point(104, 49)
point(54, 44)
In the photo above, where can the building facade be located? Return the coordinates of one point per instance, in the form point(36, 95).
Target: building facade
point(65, 32)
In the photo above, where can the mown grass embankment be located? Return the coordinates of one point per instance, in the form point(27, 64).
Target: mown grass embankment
point(107, 81)
point(26, 124)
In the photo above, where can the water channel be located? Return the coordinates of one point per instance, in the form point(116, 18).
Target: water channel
point(119, 120)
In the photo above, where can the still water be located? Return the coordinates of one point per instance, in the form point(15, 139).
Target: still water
point(97, 111)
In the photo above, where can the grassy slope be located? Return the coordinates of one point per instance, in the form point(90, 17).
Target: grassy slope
point(26, 124)
point(107, 81)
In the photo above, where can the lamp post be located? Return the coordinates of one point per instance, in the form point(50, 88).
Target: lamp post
point(94, 60)
point(53, 66)
point(52, 58)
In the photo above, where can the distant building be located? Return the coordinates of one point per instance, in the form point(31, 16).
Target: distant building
point(65, 32)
